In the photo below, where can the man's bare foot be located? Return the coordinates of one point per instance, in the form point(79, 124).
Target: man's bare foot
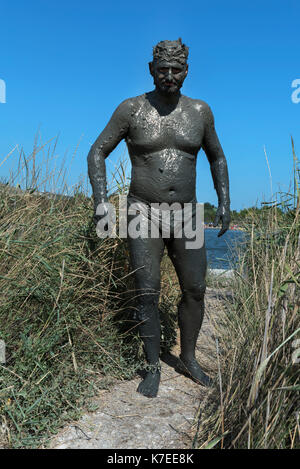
point(149, 386)
point(192, 369)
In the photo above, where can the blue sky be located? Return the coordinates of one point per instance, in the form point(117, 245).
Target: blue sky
point(68, 64)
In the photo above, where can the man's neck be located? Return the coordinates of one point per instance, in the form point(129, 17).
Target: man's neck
point(166, 99)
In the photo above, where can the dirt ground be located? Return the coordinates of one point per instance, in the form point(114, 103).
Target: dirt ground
point(126, 419)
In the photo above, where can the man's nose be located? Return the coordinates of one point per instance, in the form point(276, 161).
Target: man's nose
point(170, 74)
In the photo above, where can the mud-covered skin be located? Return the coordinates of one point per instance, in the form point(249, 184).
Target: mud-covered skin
point(164, 131)
point(163, 141)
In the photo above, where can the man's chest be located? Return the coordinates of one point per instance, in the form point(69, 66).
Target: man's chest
point(151, 131)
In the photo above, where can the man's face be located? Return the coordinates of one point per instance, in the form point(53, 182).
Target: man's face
point(168, 76)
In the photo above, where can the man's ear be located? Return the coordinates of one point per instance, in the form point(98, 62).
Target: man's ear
point(151, 68)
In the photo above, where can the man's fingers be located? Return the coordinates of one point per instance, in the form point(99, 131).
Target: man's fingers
point(217, 219)
point(101, 229)
point(97, 218)
point(222, 231)
point(225, 227)
point(224, 216)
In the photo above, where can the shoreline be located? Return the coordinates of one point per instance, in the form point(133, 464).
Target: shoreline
point(227, 273)
point(219, 227)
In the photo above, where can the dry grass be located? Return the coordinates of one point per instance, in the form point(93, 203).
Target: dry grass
point(256, 402)
point(65, 307)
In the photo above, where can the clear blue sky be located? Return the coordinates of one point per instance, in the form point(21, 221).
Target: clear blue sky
point(68, 64)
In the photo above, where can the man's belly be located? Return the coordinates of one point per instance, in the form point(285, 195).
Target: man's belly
point(165, 176)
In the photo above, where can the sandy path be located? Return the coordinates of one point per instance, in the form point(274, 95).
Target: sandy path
point(126, 419)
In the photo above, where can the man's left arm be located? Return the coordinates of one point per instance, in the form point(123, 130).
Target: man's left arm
point(219, 171)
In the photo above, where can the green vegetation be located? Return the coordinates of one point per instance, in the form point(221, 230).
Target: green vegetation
point(209, 212)
point(65, 310)
point(246, 215)
point(66, 307)
point(255, 403)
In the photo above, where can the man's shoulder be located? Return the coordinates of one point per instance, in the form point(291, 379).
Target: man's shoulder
point(202, 109)
point(198, 104)
point(130, 104)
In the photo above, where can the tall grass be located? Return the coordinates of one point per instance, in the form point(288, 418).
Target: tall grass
point(65, 305)
point(256, 401)
point(66, 316)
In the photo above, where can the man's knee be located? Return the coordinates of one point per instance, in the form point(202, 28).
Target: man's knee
point(195, 292)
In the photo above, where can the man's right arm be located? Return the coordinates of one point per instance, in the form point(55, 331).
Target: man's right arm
point(116, 129)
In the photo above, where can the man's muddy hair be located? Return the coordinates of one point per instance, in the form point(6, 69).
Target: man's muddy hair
point(171, 51)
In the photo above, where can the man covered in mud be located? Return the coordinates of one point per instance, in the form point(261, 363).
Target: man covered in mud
point(164, 131)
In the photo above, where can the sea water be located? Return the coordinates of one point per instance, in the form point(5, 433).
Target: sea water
point(222, 253)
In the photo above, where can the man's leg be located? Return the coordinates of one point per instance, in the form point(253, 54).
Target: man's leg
point(190, 266)
point(145, 255)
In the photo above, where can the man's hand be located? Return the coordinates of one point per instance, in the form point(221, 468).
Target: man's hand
point(223, 215)
point(101, 210)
